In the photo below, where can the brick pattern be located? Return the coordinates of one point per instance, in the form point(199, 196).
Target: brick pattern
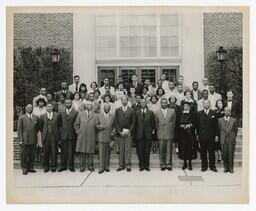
point(221, 29)
point(16, 148)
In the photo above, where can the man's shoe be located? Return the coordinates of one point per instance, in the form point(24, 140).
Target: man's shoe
point(32, 170)
point(72, 170)
point(162, 168)
point(120, 169)
point(91, 169)
point(141, 169)
point(53, 170)
point(25, 172)
point(214, 169)
point(62, 169)
point(169, 168)
point(82, 169)
point(231, 171)
point(147, 169)
point(226, 170)
point(107, 170)
point(100, 171)
point(184, 167)
point(204, 169)
point(190, 167)
point(46, 170)
point(128, 169)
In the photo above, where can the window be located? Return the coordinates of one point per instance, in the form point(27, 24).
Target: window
point(106, 35)
point(107, 72)
point(127, 73)
point(171, 73)
point(148, 72)
point(169, 35)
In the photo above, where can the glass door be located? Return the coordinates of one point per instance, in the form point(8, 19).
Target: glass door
point(171, 72)
point(126, 73)
point(149, 73)
point(107, 72)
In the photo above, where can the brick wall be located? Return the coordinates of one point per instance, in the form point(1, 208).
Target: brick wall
point(221, 29)
point(43, 29)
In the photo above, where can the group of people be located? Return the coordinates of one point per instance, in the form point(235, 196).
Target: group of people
point(153, 119)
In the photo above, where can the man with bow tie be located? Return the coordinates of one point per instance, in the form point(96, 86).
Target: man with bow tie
point(228, 131)
point(232, 104)
point(28, 127)
point(50, 137)
point(124, 125)
point(145, 127)
point(67, 136)
point(165, 126)
point(105, 127)
point(64, 91)
point(206, 130)
point(85, 127)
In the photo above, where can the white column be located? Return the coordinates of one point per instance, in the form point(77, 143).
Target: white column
point(84, 46)
point(192, 41)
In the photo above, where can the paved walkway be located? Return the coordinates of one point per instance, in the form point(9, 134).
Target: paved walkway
point(177, 186)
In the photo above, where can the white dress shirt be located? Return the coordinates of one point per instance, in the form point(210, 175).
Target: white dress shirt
point(50, 115)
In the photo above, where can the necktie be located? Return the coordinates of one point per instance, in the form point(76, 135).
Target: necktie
point(30, 116)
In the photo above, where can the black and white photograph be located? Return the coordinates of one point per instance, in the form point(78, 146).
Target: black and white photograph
point(127, 105)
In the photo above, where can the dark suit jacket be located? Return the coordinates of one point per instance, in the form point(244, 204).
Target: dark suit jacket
point(55, 125)
point(228, 131)
point(124, 120)
point(144, 127)
point(27, 129)
point(234, 108)
point(206, 125)
point(138, 88)
point(66, 122)
point(199, 93)
point(136, 107)
point(68, 94)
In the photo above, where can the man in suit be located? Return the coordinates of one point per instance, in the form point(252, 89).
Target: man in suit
point(105, 127)
point(124, 126)
point(50, 138)
point(64, 91)
point(213, 97)
point(195, 92)
point(232, 104)
point(138, 86)
point(42, 94)
point(145, 127)
point(200, 104)
point(93, 102)
point(136, 106)
point(85, 127)
point(103, 88)
point(67, 136)
point(75, 86)
point(28, 127)
point(165, 125)
point(206, 126)
point(228, 131)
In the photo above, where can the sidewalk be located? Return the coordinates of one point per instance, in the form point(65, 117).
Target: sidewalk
point(135, 187)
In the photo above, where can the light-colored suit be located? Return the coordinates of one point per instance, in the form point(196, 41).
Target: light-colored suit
point(105, 127)
point(72, 87)
point(165, 126)
point(228, 132)
point(213, 99)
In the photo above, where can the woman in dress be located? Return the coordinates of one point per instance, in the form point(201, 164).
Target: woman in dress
point(189, 99)
point(83, 89)
point(93, 87)
point(132, 96)
point(172, 101)
point(219, 113)
point(186, 138)
point(39, 111)
point(107, 100)
point(154, 106)
point(145, 94)
point(160, 93)
point(77, 104)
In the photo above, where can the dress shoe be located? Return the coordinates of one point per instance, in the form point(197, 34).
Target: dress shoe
point(169, 168)
point(46, 170)
point(231, 171)
point(141, 169)
point(100, 171)
point(147, 169)
point(190, 167)
point(204, 169)
point(120, 169)
point(128, 169)
point(107, 170)
point(32, 170)
point(91, 169)
point(25, 172)
point(72, 170)
point(214, 169)
point(53, 170)
point(82, 169)
point(62, 169)
point(226, 170)
point(162, 168)
point(184, 167)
